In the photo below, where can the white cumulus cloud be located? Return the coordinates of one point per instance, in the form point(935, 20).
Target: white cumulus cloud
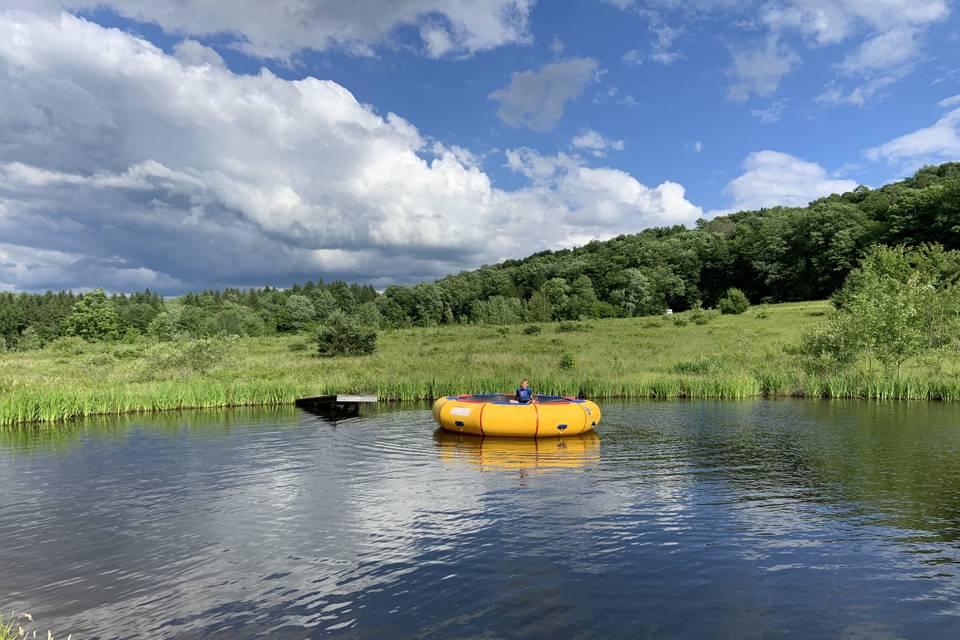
point(596, 143)
point(883, 39)
point(892, 32)
point(939, 142)
point(952, 101)
point(883, 51)
point(610, 198)
point(281, 28)
point(772, 178)
point(123, 166)
point(633, 57)
point(772, 113)
point(833, 21)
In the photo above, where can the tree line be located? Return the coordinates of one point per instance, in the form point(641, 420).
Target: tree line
point(777, 254)
point(29, 321)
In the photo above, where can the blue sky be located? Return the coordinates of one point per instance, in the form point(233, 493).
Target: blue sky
point(245, 143)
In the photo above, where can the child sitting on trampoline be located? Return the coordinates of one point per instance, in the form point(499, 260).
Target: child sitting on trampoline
point(524, 392)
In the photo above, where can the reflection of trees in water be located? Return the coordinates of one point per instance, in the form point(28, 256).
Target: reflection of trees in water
point(891, 463)
point(50, 438)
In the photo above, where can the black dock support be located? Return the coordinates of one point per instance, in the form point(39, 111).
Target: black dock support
point(340, 405)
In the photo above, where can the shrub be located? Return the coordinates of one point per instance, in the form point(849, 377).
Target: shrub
point(763, 313)
point(680, 321)
point(603, 309)
point(193, 320)
point(163, 327)
point(583, 298)
point(567, 361)
point(102, 359)
point(368, 315)
point(198, 355)
point(342, 336)
point(136, 315)
point(126, 353)
point(701, 316)
point(539, 308)
point(296, 314)
point(93, 318)
point(830, 347)
point(898, 304)
point(532, 330)
point(297, 346)
point(701, 365)
point(29, 340)
point(497, 310)
point(159, 357)
point(68, 345)
point(734, 302)
point(233, 320)
point(572, 327)
point(204, 354)
point(465, 358)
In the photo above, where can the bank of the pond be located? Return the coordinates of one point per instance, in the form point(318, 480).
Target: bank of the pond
point(727, 357)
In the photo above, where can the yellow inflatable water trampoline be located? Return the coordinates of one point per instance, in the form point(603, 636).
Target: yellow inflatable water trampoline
point(501, 415)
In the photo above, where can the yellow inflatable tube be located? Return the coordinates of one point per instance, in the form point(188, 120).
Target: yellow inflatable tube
point(500, 415)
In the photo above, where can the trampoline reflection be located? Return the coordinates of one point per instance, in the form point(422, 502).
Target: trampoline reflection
point(570, 452)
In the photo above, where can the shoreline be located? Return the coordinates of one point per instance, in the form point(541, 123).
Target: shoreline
point(723, 357)
point(66, 419)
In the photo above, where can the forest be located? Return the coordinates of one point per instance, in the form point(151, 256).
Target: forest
point(773, 255)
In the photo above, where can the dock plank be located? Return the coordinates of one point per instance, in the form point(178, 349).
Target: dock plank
point(340, 398)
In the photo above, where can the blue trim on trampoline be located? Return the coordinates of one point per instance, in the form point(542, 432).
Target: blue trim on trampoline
point(508, 399)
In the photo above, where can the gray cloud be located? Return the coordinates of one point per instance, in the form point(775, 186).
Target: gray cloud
point(536, 99)
point(758, 71)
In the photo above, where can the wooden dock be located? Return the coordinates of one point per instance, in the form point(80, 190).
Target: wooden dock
point(341, 404)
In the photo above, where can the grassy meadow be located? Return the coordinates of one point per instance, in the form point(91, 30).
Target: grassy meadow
point(683, 356)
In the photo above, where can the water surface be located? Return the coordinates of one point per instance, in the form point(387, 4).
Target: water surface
point(762, 519)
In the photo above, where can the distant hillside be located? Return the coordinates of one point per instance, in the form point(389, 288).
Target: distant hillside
point(777, 254)
point(774, 255)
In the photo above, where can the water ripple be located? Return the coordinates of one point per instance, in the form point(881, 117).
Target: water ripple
point(681, 520)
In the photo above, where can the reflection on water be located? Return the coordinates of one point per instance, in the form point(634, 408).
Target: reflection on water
point(209, 423)
point(572, 452)
point(693, 520)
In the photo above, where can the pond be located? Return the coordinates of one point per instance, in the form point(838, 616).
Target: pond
point(761, 519)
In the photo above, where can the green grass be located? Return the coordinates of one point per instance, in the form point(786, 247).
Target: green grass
point(19, 626)
point(728, 357)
